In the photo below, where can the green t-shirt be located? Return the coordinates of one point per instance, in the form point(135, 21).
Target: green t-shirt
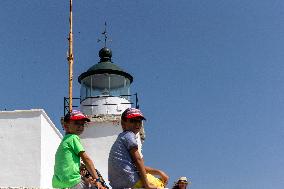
point(67, 162)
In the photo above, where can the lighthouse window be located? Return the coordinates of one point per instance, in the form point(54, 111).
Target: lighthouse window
point(105, 85)
point(83, 91)
point(119, 86)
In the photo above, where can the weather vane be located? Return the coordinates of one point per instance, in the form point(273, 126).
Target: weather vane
point(104, 33)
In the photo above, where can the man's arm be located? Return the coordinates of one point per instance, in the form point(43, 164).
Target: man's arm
point(140, 166)
point(90, 166)
point(164, 176)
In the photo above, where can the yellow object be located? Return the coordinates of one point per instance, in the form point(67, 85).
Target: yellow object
point(152, 180)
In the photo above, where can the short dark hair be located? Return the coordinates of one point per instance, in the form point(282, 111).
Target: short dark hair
point(123, 116)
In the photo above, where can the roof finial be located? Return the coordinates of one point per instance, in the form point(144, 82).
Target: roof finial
point(104, 33)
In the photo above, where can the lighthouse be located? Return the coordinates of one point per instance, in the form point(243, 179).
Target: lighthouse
point(104, 95)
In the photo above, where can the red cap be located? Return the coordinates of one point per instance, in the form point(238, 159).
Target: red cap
point(76, 115)
point(130, 113)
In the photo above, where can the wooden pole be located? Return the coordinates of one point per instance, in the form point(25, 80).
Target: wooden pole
point(70, 59)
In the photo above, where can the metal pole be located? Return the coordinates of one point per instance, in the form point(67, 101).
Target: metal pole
point(70, 58)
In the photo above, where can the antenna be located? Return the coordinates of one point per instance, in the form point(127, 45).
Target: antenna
point(104, 33)
point(70, 58)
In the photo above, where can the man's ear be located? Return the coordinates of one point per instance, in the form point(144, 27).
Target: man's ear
point(123, 124)
point(65, 127)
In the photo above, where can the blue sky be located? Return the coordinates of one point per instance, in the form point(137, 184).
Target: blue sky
point(209, 75)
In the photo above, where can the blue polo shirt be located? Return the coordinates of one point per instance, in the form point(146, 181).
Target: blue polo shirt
point(122, 171)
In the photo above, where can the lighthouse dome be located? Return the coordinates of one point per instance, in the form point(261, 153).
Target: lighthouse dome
point(105, 66)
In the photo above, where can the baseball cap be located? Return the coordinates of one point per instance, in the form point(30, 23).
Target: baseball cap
point(182, 179)
point(75, 115)
point(130, 113)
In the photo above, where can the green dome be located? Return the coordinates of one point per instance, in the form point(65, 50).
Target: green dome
point(105, 66)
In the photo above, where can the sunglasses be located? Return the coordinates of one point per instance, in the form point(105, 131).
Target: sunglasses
point(78, 123)
point(135, 120)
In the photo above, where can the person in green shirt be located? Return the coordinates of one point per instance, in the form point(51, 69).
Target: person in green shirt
point(68, 155)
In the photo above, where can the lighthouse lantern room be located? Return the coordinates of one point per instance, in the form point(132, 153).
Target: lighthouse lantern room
point(105, 88)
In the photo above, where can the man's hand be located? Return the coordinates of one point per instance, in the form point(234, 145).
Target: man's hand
point(164, 177)
point(91, 168)
point(99, 185)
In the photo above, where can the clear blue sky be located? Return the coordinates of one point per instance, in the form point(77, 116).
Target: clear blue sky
point(209, 75)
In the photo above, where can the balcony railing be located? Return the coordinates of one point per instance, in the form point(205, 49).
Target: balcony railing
point(79, 101)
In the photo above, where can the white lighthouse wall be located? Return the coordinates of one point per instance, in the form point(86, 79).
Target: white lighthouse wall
point(104, 105)
point(50, 140)
point(21, 157)
point(98, 139)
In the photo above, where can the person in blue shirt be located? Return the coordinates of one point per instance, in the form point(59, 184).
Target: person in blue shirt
point(126, 167)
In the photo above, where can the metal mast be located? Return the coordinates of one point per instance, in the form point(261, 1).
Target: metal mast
point(70, 59)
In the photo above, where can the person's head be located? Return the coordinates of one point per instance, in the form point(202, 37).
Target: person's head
point(74, 122)
point(131, 120)
point(182, 183)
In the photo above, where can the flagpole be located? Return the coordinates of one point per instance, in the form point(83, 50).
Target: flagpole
point(70, 59)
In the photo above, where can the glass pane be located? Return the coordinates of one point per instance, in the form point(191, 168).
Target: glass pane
point(105, 84)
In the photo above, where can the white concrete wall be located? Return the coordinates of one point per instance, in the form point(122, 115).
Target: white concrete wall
point(50, 140)
point(20, 146)
point(23, 160)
